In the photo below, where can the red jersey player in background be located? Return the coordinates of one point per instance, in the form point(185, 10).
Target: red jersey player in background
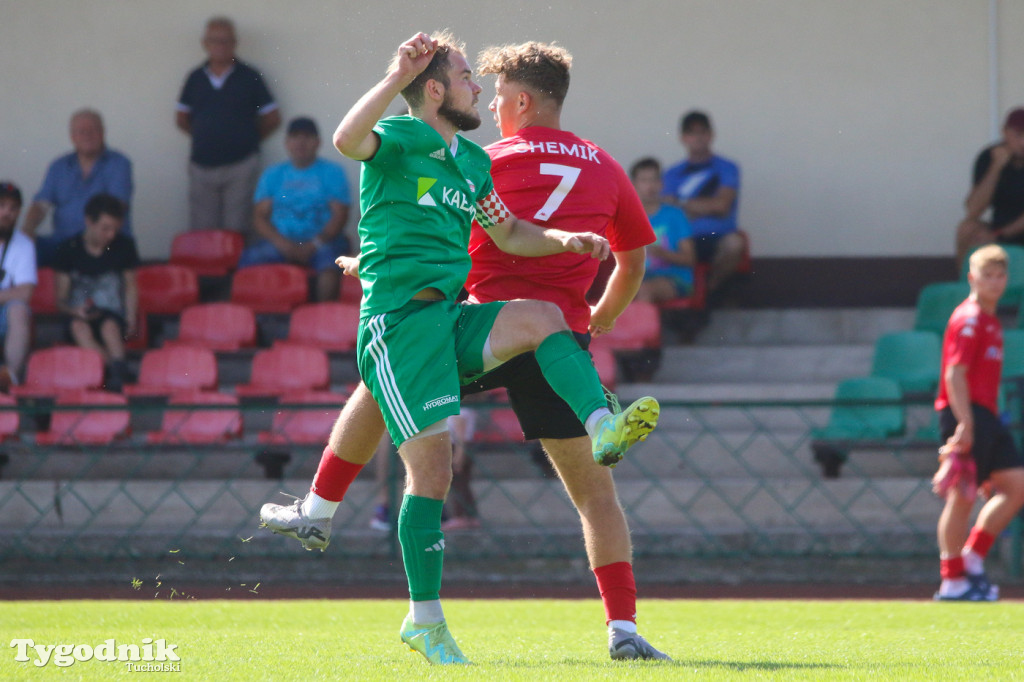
point(545, 175)
point(972, 360)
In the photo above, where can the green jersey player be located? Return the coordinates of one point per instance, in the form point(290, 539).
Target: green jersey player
point(422, 184)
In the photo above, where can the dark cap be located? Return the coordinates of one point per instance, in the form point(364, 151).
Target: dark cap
point(303, 124)
point(8, 190)
point(1015, 119)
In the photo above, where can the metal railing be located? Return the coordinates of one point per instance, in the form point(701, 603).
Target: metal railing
point(736, 479)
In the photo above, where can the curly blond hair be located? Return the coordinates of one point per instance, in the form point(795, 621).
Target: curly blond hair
point(543, 67)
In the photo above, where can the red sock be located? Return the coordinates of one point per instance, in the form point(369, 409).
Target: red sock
point(952, 568)
point(980, 541)
point(333, 476)
point(618, 591)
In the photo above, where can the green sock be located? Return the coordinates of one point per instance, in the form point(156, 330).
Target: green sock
point(570, 371)
point(419, 532)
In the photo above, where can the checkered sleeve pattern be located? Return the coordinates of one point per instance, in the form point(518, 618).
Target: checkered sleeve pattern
point(491, 211)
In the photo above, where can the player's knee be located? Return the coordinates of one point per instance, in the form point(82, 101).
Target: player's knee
point(539, 319)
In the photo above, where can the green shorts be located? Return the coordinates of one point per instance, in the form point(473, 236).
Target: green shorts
point(415, 359)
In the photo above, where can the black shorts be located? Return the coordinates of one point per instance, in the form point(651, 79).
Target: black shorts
point(541, 412)
point(993, 447)
point(706, 245)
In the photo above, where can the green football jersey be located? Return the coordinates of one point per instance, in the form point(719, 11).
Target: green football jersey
point(418, 199)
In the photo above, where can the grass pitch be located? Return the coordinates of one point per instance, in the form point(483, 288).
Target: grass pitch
point(532, 639)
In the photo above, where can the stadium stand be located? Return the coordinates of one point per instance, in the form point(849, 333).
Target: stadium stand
point(911, 359)
point(329, 326)
point(51, 371)
point(856, 422)
point(217, 326)
point(166, 371)
point(87, 427)
point(270, 288)
point(278, 371)
point(209, 253)
point(199, 426)
point(936, 302)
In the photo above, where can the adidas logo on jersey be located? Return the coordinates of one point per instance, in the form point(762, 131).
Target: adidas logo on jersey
point(439, 154)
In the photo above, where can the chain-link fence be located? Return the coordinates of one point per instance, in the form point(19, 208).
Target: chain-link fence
point(716, 480)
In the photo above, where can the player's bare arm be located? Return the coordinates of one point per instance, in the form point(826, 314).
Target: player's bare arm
point(960, 403)
point(718, 205)
point(980, 197)
point(523, 238)
point(622, 286)
point(354, 136)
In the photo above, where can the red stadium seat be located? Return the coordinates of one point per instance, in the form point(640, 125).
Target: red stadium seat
point(87, 427)
point(697, 300)
point(44, 296)
point(63, 368)
point(165, 371)
point(304, 426)
point(330, 326)
point(217, 326)
point(607, 367)
point(270, 288)
point(278, 371)
point(639, 326)
point(211, 253)
point(9, 419)
point(166, 289)
point(351, 290)
point(199, 426)
point(499, 425)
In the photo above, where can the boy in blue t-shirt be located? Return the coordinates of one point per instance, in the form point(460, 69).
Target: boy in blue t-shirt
point(671, 258)
point(301, 208)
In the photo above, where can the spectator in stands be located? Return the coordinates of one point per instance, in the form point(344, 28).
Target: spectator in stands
point(17, 281)
point(707, 186)
point(671, 258)
point(96, 285)
point(301, 210)
point(978, 449)
point(226, 108)
point(91, 168)
point(998, 190)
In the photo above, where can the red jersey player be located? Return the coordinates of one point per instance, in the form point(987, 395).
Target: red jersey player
point(542, 174)
point(972, 358)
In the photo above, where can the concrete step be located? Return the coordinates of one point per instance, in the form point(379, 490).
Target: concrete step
point(803, 326)
point(763, 364)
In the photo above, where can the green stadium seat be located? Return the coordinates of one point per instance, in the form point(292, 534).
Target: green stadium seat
point(854, 418)
point(936, 303)
point(910, 358)
point(852, 421)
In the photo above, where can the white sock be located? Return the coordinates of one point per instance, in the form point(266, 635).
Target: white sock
point(316, 507)
point(423, 612)
point(953, 587)
point(595, 416)
point(624, 625)
point(973, 563)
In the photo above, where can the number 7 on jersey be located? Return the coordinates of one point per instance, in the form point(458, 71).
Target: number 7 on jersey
point(569, 176)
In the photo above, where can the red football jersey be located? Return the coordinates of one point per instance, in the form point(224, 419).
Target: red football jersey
point(554, 179)
point(973, 338)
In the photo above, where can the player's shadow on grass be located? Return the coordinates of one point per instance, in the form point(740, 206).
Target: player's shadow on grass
point(737, 666)
point(765, 666)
